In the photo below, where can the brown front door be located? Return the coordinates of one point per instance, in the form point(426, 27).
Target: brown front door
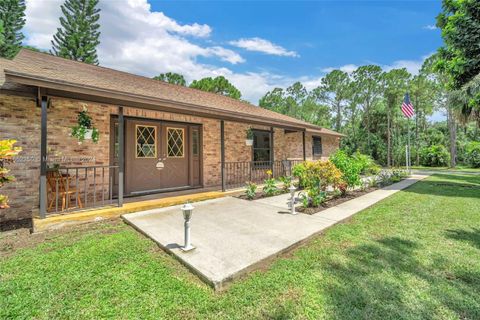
point(175, 142)
point(156, 156)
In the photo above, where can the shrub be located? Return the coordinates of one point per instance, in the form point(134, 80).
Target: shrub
point(287, 181)
point(318, 174)
point(251, 189)
point(315, 177)
point(7, 152)
point(473, 154)
point(398, 174)
point(384, 178)
point(434, 156)
point(349, 167)
point(366, 163)
point(269, 188)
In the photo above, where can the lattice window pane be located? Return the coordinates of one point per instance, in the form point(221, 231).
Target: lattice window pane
point(175, 142)
point(146, 142)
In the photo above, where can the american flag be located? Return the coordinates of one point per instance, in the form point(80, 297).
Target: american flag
point(407, 107)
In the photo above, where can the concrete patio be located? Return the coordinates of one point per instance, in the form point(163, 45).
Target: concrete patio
point(234, 236)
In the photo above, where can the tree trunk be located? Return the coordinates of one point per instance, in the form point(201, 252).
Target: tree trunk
point(339, 116)
point(417, 159)
point(389, 139)
point(452, 127)
point(367, 109)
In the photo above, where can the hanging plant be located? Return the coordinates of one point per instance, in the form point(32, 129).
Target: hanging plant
point(249, 140)
point(84, 130)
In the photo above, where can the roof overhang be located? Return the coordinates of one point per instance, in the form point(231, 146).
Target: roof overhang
point(89, 93)
point(325, 132)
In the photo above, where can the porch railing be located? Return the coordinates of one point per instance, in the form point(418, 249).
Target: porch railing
point(75, 188)
point(237, 173)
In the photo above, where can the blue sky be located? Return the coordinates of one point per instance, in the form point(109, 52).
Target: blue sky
point(323, 33)
point(257, 45)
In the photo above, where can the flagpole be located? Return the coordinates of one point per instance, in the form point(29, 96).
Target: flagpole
point(409, 158)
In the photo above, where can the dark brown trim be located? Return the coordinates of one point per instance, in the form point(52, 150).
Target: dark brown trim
point(304, 147)
point(222, 154)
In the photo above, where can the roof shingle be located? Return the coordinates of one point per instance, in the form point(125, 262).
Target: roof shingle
point(48, 67)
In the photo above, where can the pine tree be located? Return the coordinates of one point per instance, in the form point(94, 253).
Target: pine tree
point(12, 15)
point(78, 37)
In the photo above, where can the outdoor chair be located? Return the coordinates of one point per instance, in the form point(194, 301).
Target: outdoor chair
point(58, 181)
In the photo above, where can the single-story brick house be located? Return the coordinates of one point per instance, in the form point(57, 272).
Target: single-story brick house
point(153, 137)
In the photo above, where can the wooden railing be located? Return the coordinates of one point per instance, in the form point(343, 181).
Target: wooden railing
point(76, 188)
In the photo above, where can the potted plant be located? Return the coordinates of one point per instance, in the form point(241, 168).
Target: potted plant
point(84, 128)
point(249, 140)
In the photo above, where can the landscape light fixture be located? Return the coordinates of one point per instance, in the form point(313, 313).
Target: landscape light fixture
point(187, 210)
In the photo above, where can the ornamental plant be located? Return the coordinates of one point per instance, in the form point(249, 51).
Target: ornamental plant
point(349, 167)
point(250, 191)
point(287, 182)
point(249, 133)
point(84, 124)
point(473, 154)
point(315, 177)
point(7, 152)
point(269, 188)
point(317, 174)
point(434, 156)
point(366, 163)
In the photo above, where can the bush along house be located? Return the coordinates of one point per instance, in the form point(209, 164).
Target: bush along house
point(93, 136)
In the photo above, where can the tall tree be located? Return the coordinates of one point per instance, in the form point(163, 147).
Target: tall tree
point(335, 91)
point(460, 24)
point(395, 85)
point(445, 99)
point(219, 85)
point(2, 37)
point(78, 37)
point(296, 101)
point(367, 91)
point(12, 15)
point(173, 78)
point(422, 93)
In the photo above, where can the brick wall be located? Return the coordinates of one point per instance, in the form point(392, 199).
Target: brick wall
point(20, 120)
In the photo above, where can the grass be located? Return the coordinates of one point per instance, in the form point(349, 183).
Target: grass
point(415, 255)
point(458, 168)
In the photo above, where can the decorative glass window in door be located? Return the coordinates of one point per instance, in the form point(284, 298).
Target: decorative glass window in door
point(175, 145)
point(146, 139)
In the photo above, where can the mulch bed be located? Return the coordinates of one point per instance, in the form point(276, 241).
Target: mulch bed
point(258, 195)
point(336, 200)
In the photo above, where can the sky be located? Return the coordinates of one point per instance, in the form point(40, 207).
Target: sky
point(257, 45)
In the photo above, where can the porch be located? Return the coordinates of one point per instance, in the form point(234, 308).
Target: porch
point(99, 175)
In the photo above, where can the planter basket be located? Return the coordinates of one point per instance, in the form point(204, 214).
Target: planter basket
point(88, 134)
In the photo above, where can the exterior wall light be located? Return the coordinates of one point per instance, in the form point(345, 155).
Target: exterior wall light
point(187, 210)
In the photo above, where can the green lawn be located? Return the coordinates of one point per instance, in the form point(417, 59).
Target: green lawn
point(415, 255)
point(458, 168)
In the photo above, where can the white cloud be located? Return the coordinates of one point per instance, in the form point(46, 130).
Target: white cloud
point(264, 46)
point(430, 27)
point(138, 40)
point(348, 68)
point(412, 66)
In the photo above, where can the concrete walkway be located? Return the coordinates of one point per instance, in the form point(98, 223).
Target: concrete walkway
point(234, 236)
